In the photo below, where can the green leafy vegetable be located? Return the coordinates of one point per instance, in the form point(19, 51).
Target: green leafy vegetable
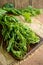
point(27, 16)
point(8, 5)
point(16, 35)
point(26, 12)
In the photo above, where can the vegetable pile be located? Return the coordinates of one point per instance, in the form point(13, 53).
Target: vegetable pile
point(26, 12)
point(16, 35)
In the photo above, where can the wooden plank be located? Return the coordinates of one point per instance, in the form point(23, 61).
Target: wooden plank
point(18, 3)
point(2, 59)
point(30, 2)
point(37, 3)
point(21, 3)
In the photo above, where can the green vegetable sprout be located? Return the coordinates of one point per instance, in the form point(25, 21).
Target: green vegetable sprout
point(16, 35)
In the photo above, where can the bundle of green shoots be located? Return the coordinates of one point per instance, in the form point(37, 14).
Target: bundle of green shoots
point(16, 35)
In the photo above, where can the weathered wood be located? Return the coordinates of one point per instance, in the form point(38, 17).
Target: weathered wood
point(30, 2)
point(21, 3)
point(37, 3)
point(2, 59)
point(18, 3)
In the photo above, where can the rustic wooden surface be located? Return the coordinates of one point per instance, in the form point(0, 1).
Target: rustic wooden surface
point(37, 3)
point(23, 3)
point(17, 3)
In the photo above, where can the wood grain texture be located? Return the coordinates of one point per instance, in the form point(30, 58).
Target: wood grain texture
point(2, 59)
point(37, 3)
point(23, 3)
point(18, 3)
